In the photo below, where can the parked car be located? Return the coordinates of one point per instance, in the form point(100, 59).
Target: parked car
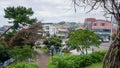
point(105, 40)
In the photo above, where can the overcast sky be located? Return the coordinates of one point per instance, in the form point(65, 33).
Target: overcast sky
point(50, 10)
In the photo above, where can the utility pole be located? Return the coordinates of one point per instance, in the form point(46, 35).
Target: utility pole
point(111, 29)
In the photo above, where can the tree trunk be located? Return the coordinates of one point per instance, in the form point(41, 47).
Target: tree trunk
point(112, 57)
point(82, 52)
point(92, 50)
point(86, 50)
point(5, 32)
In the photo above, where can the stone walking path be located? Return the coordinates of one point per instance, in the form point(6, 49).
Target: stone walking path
point(43, 58)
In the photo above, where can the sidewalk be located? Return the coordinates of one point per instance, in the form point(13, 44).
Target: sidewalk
point(43, 58)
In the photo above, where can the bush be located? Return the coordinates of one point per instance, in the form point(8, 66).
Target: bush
point(21, 54)
point(75, 61)
point(97, 56)
point(4, 55)
point(23, 65)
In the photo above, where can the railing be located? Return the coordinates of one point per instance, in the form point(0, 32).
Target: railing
point(7, 62)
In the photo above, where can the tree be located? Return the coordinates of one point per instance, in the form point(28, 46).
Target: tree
point(52, 41)
point(112, 57)
point(20, 16)
point(83, 39)
point(20, 54)
point(28, 36)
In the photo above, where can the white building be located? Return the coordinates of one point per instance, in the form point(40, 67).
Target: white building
point(62, 33)
point(49, 29)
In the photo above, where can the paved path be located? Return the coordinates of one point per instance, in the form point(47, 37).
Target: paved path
point(43, 58)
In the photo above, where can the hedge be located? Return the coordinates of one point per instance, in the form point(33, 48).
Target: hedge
point(23, 65)
point(76, 61)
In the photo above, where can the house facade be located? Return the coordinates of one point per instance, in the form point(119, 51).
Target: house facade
point(104, 29)
point(88, 23)
point(61, 31)
point(49, 29)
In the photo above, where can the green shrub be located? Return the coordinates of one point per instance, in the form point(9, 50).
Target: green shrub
point(62, 62)
point(85, 60)
point(23, 65)
point(51, 65)
point(21, 54)
point(97, 56)
point(95, 65)
point(75, 61)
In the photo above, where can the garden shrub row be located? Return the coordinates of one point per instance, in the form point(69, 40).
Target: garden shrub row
point(76, 61)
point(23, 65)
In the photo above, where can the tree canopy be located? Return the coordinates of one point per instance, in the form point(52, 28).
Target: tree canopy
point(52, 41)
point(18, 16)
point(83, 39)
point(27, 36)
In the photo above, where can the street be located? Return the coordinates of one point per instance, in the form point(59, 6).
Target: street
point(103, 46)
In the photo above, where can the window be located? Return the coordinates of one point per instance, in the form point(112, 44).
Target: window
point(97, 30)
point(47, 27)
point(95, 24)
point(106, 30)
point(102, 24)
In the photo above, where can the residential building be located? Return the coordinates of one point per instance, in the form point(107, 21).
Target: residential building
point(60, 29)
point(80, 26)
point(62, 32)
point(71, 25)
point(68, 25)
point(49, 29)
point(88, 23)
point(104, 29)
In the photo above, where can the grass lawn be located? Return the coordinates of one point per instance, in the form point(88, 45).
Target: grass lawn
point(97, 65)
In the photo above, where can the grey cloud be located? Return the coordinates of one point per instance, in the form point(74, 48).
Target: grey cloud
point(50, 10)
